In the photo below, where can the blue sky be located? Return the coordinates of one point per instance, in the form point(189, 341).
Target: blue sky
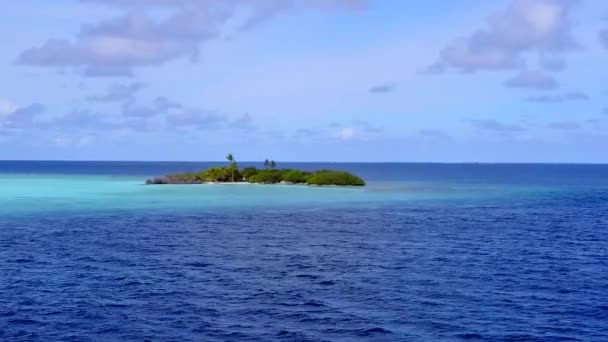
point(305, 80)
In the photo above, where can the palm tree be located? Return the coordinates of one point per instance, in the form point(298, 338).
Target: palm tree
point(273, 164)
point(230, 158)
point(266, 163)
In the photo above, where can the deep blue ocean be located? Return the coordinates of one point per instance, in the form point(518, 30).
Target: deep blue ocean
point(425, 252)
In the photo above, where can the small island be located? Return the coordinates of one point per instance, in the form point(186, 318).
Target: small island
point(269, 175)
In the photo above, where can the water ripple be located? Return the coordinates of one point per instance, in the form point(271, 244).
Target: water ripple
point(509, 272)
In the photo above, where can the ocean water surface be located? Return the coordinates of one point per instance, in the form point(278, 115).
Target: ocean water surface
point(425, 252)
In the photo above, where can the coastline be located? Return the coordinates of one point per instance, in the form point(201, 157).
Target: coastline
point(301, 185)
point(233, 174)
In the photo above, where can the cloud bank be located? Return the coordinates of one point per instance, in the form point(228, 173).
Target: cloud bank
point(117, 46)
point(525, 26)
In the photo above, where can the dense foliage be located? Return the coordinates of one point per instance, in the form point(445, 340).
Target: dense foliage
point(295, 176)
point(221, 174)
point(269, 175)
point(328, 177)
point(248, 172)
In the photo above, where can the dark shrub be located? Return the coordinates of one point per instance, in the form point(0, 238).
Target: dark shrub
point(248, 172)
point(334, 178)
point(178, 178)
point(267, 176)
point(294, 176)
point(220, 174)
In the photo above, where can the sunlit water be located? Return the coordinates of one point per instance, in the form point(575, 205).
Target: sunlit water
point(424, 252)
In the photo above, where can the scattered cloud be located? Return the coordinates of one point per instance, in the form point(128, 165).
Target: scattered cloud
point(431, 133)
point(553, 63)
point(81, 119)
point(147, 119)
point(166, 114)
point(195, 118)
point(65, 141)
point(367, 127)
point(347, 133)
point(525, 26)
point(603, 36)
point(7, 107)
point(308, 133)
point(597, 127)
point(21, 118)
point(357, 129)
point(493, 125)
point(267, 6)
point(162, 114)
point(114, 47)
point(166, 104)
point(108, 71)
point(31, 118)
point(119, 93)
point(598, 123)
point(138, 38)
point(533, 79)
point(244, 122)
point(383, 88)
point(433, 69)
point(430, 136)
point(564, 125)
point(354, 130)
point(132, 109)
point(566, 97)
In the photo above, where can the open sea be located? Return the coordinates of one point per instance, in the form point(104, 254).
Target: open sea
point(425, 252)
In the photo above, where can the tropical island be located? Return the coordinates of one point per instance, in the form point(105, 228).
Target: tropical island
point(270, 174)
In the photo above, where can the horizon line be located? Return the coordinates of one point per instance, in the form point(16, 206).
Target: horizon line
point(307, 162)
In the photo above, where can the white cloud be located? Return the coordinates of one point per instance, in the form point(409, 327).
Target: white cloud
point(21, 118)
point(141, 38)
point(525, 26)
point(73, 141)
point(543, 16)
point(347, 133)
point(7, 107)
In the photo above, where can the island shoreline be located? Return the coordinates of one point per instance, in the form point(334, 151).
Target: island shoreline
point(232, 174)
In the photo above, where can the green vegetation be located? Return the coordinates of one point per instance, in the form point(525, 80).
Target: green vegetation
point(248, 172)
point(269, 175)
point(328, 177)
point(296, 176)
point(220, 174)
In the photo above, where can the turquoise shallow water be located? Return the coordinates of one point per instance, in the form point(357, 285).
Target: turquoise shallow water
point(101, 187)
point(87, 194)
